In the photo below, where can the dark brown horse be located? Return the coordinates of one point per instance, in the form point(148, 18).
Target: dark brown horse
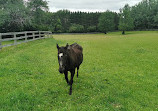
point(70, 57)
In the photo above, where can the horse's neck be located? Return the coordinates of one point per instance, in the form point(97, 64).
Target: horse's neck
point(71, 57)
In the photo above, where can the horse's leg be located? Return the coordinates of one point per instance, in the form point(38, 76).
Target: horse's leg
point(71, 81)
point(66, 76)
point(77, 71)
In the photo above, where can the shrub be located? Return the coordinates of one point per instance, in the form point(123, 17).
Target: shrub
point(76, 28)
point(92, 29)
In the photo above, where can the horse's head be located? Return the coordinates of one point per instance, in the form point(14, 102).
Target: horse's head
point(62, 57)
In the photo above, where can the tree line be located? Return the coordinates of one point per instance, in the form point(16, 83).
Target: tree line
point(26, 15)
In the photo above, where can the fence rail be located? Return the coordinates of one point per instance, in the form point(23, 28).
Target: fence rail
point(22, 37)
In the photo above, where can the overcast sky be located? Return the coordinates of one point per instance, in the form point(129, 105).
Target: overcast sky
point(89, 5)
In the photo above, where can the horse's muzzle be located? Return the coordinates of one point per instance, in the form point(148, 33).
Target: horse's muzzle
point(61, 71)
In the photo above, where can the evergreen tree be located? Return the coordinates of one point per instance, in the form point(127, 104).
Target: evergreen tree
point(58, 26)
point(106, 22)
point(64, 16)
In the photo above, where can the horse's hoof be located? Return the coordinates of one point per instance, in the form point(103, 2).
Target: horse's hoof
point(70, 92)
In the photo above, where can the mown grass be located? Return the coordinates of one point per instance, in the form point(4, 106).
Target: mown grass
point(118, 73)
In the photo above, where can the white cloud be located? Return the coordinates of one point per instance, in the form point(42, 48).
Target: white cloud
point(89, 5)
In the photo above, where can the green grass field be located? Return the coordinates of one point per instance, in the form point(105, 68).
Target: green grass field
point(119, 72)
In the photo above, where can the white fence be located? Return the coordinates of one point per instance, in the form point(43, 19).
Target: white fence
point(16, 38)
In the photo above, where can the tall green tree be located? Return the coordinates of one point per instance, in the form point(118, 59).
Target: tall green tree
point(106, 22)
point(156, 20)
point(36, 5)
point(13, 15)
point(3, 16)
point(58, 26)
point(64, 16)
point(38, 9)
point(144, 14)
point(126, 21)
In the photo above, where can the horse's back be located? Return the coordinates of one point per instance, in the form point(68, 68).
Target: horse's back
point(76, 46)
point(77, 49)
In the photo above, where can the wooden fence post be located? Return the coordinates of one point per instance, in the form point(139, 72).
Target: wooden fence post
point(33, 35)
point(45, 35)
point(25, 36)
point(0, 41)
point(39, 34)
point(15, 41)
point(50, 34)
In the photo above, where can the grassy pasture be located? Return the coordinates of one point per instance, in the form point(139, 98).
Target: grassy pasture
point(119, 72)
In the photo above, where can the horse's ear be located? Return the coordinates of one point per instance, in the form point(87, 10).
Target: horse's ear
point(57, 46)
point(67, 45)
